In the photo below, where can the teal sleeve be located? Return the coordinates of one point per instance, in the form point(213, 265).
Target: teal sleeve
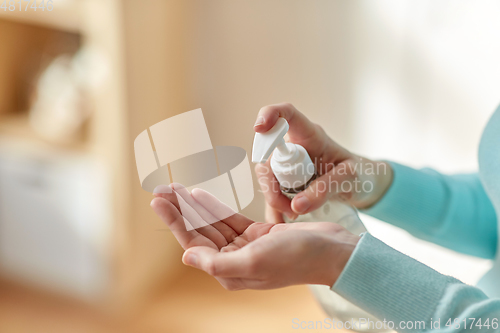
point(453, 211)
point(409, 296)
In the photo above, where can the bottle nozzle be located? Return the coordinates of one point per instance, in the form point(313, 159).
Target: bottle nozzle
point(265, 143)
point(283, 148)
point(286, 158)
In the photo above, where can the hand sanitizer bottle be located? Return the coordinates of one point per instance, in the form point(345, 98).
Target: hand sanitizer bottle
point(294, 170)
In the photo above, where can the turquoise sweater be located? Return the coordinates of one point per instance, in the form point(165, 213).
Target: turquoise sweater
point(458, 212)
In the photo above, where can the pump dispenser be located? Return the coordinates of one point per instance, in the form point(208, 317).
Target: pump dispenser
point(294, 170)
point(290, 163)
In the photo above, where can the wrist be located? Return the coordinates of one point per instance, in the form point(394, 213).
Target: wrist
point(381, 181)
point(340, 250)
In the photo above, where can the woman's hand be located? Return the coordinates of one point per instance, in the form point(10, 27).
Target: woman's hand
point(342, 175)
point(244, 254)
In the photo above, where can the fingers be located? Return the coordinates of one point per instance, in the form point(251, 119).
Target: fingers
point(205, 213)
point(200, 218)
point(175, 221)
point(324, 152)
point(193, 215)
point(219, 264)
point(165, 191)
point(194, 211)
point(169, 214)
point(340, 181)
point(221, 211)
point(300, 126)
point(272, 215)
point(272, 192)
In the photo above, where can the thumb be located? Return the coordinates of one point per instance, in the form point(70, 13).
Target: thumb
point(198, 256)
point(338, 181)
point(215, 263)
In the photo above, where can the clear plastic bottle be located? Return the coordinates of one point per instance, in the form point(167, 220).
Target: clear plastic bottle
point(294, 170)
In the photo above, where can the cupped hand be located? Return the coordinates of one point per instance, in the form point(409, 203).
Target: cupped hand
point(342, 174)
point(244, 254)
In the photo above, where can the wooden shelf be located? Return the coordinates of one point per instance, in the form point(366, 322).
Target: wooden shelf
point(139, 256)
point(65, 16)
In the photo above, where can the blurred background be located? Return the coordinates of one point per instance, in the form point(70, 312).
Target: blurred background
point(80, 248)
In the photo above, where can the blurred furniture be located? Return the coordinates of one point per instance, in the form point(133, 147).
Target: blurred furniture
point(73, 218)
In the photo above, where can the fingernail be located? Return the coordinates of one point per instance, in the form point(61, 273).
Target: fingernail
point(160, 189)
point(291, 216)
point(259, 121)
point(301, 204)
point(190, 259)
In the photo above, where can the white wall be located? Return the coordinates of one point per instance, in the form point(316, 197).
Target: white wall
point(427, 78)
point(410, 81)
